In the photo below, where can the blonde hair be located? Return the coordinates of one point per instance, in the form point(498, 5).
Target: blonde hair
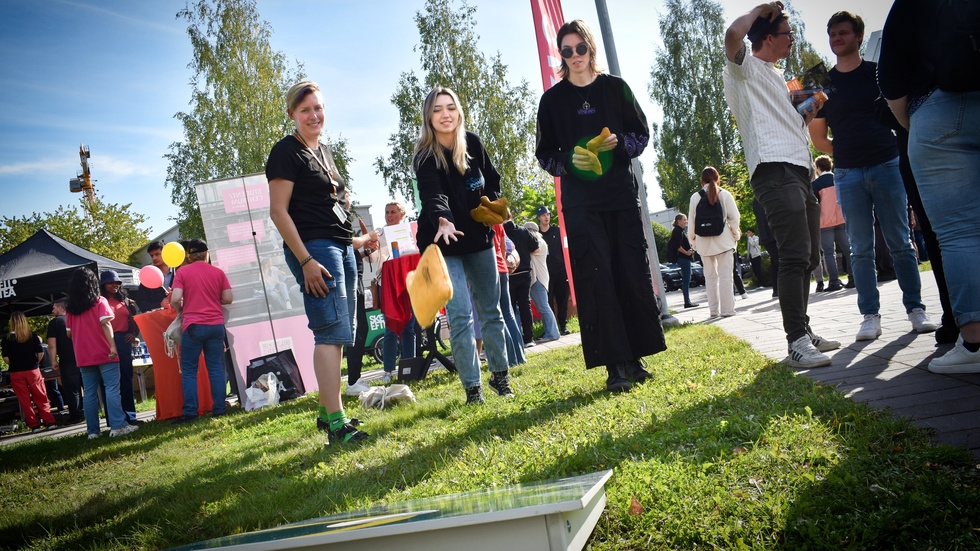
point(399, 205)
point(18, 326)
point(298, 92)
point(427, 144)
point(711, 177)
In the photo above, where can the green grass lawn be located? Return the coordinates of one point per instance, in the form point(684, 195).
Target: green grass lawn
point(724, 449)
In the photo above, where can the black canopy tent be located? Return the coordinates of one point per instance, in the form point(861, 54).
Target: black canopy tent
point(38, 271)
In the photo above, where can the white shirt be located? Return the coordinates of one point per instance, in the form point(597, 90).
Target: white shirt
point(770, 127)
point(752, 246)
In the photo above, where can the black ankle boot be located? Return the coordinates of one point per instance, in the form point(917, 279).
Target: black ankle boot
point(616, 381)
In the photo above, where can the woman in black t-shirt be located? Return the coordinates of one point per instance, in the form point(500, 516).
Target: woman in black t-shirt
point(685, 255)
point(22, 352)
point(310, 206)
point(453, 171)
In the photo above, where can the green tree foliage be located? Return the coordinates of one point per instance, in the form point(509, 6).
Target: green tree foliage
point(237, 103)
point(804, 55)
point(697, 128)
point(501, 114)
point(661, 236)
point(107, 229)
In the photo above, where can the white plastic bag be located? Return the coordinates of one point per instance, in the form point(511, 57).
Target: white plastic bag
point(263, 392)
point(380, 396)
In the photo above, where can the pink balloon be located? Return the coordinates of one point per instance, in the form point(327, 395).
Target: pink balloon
point(151, 277)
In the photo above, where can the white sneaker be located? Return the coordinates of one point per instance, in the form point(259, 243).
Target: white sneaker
point(386, 378)
point(957, 360)
point(870, 328)
point(822, 344)
point(803, 354)
point(123, 431)
point(744, 296)
point(93, 435)
point(921, 322)
point(357, 388)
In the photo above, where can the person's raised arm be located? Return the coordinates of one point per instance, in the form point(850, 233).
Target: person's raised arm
point(735, 48)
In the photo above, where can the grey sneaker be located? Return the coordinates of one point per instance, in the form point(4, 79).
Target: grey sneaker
point(870, 328)
point(386, 378)
point(803, 354)
point(474, 395)
point(500, 381)
point(921, 322)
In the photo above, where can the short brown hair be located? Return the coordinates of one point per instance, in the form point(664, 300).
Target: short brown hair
point(847, 17)
point(823, 163)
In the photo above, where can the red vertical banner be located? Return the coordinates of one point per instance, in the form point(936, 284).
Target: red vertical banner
point(548, 19)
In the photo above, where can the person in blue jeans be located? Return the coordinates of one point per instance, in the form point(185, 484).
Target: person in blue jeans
point(199, 292)
point(942, 114)
point(539, 285)
point(394, 214)
point(454, 172)
point(685, 255)
point(867, 177)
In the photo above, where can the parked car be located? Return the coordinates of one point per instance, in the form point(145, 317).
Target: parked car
point(671, 275)
point(697, 274)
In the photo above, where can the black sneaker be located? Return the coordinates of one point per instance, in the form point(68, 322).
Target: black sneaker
point(616, 381)
point(347, 434)
point(500, 381)
point(474, 395)
point(184, 419)
point(850, 283)
point(835, 286)
point(325, 425)
point(636, 373)
point(565, 332)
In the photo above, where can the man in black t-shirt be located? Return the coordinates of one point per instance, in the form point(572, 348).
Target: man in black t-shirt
point(867, 177)
point(558, 290)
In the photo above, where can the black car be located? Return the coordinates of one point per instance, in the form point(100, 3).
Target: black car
point(697, 274)
point(671, 275)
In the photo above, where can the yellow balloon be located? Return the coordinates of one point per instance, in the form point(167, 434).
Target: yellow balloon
point(173, 254)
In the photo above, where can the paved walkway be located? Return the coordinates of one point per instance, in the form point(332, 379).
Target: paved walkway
point(890, 372)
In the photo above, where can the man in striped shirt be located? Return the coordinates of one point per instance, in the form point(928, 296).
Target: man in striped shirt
point(774, 136)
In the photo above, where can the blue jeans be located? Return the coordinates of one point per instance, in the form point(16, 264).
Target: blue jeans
point(828, 238)
point(685, 266)
point(210, 339)
point(540, 297)
point(865, 193)
point(945, 157)
point(107, 373)
point(331, 318)
point(479, 271)
point(515, 342)
point(390, 345)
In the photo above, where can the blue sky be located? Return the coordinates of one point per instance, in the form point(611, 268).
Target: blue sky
point(112, 74)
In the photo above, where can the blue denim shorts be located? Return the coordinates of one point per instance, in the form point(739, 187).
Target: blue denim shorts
point(331, 318)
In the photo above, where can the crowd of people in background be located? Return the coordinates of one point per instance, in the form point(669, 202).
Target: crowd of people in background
point(878, 168)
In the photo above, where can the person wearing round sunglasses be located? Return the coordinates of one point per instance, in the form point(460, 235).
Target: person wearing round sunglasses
point(589, 130)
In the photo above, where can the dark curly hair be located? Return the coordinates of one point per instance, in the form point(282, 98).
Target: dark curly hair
point(83, 292)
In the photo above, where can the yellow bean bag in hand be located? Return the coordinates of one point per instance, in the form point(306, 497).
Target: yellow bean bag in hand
point(499, 206)
point(596, 166)
point(595, 142)
point(429, 286)
point(486, 216)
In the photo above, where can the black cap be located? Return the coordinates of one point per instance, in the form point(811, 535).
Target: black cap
point(761, 28)
point(543, 210)
point(196, 246)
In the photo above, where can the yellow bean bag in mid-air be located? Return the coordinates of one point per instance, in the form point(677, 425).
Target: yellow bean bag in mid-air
point(429, 286)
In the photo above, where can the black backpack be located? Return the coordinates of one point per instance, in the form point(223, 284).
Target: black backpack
point(954, 52)
point(709, 219)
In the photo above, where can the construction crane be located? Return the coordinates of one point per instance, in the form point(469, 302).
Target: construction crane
point(83, 182)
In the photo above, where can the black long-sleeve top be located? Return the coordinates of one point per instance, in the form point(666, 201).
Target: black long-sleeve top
point(902, 65)
point(570, 116)
point(448, 194)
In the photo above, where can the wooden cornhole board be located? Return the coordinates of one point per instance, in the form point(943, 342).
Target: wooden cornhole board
point(550, 516)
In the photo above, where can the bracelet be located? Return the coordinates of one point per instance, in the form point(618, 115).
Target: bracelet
point(305, 260)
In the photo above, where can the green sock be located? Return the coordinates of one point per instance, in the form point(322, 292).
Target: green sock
point(322, 413)
point(336, 419)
